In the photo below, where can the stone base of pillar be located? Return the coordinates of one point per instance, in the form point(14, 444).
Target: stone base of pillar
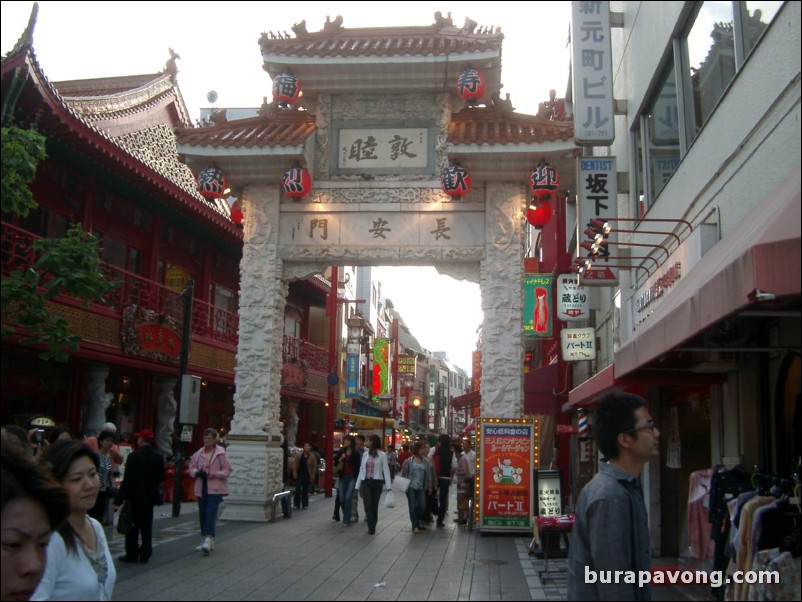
point(258, 460)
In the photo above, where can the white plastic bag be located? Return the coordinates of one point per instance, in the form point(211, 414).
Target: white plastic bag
point(389, 499)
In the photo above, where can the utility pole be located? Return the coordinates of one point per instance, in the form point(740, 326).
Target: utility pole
point(178, 445)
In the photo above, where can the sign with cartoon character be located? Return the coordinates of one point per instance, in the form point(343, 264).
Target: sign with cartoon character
point(508, 449)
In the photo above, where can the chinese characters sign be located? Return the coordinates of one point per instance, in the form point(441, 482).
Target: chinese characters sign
point(507, 450)
point(549, 493)
point(441, 228)
point(591, 56)
point(407, 364)
point(578, 344)
point(572, 299)
point(537, 305)
point(598, 199)
point(392, 148)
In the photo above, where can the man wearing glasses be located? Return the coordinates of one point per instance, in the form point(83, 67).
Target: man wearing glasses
point(610, 541)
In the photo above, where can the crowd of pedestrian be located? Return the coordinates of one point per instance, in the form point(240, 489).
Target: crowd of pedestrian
point(60, 489)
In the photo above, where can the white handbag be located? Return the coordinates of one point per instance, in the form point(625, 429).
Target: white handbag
point(401, 483)
point(389, 499)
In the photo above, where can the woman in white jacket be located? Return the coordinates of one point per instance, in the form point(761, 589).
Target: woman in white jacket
point(374, 475)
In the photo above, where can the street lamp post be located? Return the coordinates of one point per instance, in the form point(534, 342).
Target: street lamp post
point(385, 403)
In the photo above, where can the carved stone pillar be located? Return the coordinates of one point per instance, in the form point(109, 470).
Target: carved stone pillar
point(96, 399)
point(502, 273)
point(166, 412)
point(256, 430)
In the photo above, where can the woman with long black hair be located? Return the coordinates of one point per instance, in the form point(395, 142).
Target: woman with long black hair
point(374, 475)
point(348, 473)
point(442, 466)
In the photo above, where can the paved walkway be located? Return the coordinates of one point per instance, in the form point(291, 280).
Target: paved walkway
point(312, 557)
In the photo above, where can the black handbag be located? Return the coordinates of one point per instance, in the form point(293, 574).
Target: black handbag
point(125, 520)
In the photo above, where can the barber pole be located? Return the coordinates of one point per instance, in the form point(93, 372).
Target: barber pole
point(584, 437)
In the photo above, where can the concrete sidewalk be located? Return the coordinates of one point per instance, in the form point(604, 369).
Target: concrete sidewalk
point(312, 557)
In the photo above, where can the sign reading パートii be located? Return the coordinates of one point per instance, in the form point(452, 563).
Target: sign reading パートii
point(507, 455)
point(578, 344)
point(591, 62)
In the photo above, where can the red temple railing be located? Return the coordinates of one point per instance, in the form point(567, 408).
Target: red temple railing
point(208, 322)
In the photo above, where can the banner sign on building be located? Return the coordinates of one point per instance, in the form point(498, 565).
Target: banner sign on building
point(598, 199)
point(508, 453)
point(381, 367)
point(538, 305)
point(352, 375)
point(476, 371)
point(592, 69)
point(578, 344)
point(572, 299)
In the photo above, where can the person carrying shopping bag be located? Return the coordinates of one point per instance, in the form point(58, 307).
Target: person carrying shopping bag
point(374, 475)
point(210, 468)
point(416, 469)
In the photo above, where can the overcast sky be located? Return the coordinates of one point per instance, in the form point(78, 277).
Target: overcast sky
point(219, 50)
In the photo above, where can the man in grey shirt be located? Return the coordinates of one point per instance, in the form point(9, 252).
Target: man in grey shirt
point(610, 541)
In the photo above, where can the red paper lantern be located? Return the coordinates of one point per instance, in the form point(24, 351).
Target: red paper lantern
point(236, 214)
point(544, 181)
point(471, 86)
point(455, 181)
point(212, 183)
point(538, 214)
point(286, 90)
point(297, 182)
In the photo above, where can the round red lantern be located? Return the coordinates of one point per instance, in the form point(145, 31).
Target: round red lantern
point(544, 181)
point(538, 214)
point(471, 86)
point(212, 183)
point(455, 181)
point(286, 90)
point(236, 214)
point(297, 182)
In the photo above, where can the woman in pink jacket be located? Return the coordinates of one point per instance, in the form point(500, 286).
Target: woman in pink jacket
point(210, 468)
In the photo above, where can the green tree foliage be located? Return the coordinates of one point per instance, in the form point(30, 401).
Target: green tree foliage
point(69, 265)
point(22, 151)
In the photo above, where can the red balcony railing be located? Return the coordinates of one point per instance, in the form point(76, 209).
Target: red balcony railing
point(208, 322)
point(316, 358)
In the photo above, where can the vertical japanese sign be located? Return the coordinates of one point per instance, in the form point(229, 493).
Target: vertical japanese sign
point(351, 375)
point(572, 299)
point(538, 305)
point(476, 371)
point(598, 199)
point(507, 455)
point(432, 395)
point(591, 62)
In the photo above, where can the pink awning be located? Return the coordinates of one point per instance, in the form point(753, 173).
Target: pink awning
point(759, 259)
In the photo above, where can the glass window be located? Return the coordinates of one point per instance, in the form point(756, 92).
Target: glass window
point(710, 46)
point(224, 298)
point(662, 131)
point(759, 15)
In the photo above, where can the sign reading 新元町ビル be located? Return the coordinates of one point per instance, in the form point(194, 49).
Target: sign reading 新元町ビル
point(508, 453)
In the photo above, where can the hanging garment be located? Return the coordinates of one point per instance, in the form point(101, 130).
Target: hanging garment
point(699, 527)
